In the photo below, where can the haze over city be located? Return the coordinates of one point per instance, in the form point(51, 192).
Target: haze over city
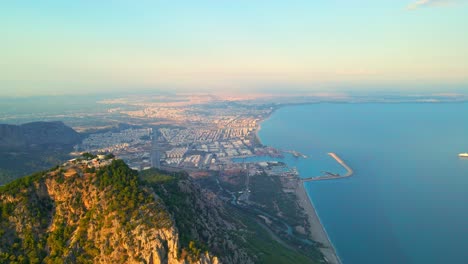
point(57, 47)
point(234, 131)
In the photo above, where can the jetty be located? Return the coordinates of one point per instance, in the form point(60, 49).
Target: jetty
point(332, 176)
point(296, 154)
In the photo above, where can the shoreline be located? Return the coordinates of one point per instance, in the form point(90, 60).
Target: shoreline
point(318, 232)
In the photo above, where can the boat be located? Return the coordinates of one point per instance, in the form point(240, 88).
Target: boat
point(463, 155)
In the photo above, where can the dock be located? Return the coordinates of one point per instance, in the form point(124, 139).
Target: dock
point(332, 176)
point(296, 154)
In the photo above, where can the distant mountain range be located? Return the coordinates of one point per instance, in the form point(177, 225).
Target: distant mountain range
point(34, 146)
point(37, 133)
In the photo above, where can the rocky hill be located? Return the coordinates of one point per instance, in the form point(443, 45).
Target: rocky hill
point(99, 211)
point(92, 210)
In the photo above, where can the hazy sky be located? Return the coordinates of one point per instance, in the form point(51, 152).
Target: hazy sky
point(81, 46)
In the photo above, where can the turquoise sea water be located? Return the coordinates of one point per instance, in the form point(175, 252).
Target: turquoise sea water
point(408, 199)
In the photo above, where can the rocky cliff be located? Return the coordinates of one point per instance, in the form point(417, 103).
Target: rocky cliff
point(202, 219)
point(101, 212)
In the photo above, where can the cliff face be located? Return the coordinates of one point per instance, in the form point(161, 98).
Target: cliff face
point(202, 218)
point(78, 214)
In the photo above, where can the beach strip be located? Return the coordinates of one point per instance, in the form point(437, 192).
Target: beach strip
point(317, 230)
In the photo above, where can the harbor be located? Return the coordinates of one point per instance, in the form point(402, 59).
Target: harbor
point(332, 176)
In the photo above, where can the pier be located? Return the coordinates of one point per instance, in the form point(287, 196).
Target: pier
point(296, 154)
point(332, 176)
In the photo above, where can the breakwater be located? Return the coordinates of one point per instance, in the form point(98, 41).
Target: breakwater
point(331, 176)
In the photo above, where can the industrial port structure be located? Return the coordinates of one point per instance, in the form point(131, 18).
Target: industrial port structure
point(332, 176)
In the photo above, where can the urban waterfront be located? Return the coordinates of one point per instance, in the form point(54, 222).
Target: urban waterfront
point(406, 200)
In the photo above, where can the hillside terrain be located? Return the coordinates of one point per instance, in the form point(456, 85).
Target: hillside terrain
point(100, 211)
point(35, 146)
point(37, 133)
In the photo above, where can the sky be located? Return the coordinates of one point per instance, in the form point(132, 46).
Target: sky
point(66, 47)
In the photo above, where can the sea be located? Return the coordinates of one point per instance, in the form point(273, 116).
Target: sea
point(407, 201)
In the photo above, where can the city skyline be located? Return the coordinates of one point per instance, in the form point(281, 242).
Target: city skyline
point(65, 48)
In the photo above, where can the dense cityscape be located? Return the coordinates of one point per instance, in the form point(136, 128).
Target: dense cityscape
point(188, 135)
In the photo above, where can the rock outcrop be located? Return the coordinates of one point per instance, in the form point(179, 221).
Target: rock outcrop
point(80, 214)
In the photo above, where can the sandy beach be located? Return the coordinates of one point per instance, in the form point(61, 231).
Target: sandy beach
point(318, 231)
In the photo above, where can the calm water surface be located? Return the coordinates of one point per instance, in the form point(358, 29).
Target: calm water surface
point(408, 199)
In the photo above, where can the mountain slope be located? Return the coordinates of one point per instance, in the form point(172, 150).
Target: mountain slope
point(202, 219)
point(100, 211)
point(72, 214)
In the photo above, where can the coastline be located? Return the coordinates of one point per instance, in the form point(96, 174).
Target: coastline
point(318, 232)
point(378, 244)
point(259, 127)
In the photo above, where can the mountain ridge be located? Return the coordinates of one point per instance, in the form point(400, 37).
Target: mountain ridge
point(96, 211)
point(34, 146)
point(37, 133)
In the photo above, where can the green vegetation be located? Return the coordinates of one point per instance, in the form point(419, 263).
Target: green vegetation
point(125, 202)
point(154, 176)
point(282, 209)
point(267, 191)
point(46, 237)
point(88, 156)
point(235, 182)
point(177, 201)
point(259, 242)
point(25, 247)
point(180, 203)
point(123, 192)
point(7, 176)
point(109, 156)
point(33, 147)
point(14, 165)
point(17, 186)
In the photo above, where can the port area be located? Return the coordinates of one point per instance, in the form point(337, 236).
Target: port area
point(295, 154)
point(332, 176)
